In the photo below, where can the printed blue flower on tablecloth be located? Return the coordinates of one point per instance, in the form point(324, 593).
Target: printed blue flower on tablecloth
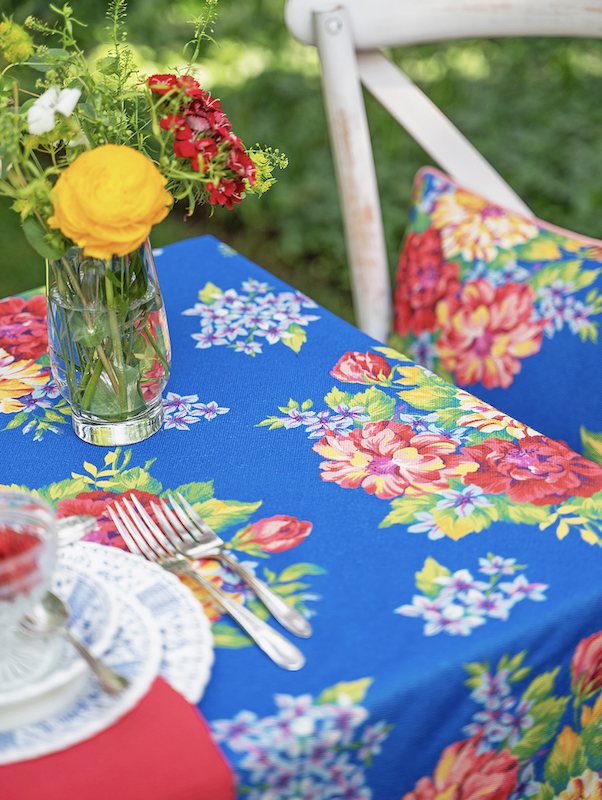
point(246, 322)
point(181, 411)
point(456, 602)
point(314, 748)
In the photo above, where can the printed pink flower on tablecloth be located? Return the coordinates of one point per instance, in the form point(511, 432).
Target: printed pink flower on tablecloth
point(390, 459)
point(361, 368)
point(23, 330)
point(586, 666)
point(462, 773)
point(487, 331)
point(95, 504)
point(278, 533)
point(534, 470)
point(422, 279)
point(473, 228)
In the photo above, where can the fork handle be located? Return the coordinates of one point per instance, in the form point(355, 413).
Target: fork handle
point(273, 644)
point(287, 616)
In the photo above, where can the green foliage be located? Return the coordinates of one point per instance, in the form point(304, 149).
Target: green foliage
point(227, 635)
point(356, 690)
point(377, 403)
point(592, 445)
point(547, 711)
point(425, 579)
point(545, 140)
point(296, 339)
point(541, 687)
point(403, 509)
point(565, 762)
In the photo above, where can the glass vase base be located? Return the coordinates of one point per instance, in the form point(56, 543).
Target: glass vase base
point(102, 432)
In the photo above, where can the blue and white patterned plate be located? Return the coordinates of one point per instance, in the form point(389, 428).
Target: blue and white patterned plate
point(185, 629)
point(135, 652)
point(93, 621)
point(161, 628)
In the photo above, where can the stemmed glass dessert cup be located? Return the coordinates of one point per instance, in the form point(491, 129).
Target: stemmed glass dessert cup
point(28, 542)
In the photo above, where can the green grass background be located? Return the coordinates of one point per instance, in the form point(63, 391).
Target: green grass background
point(533, 108)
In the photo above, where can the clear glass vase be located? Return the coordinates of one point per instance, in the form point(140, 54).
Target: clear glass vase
point(109, 343)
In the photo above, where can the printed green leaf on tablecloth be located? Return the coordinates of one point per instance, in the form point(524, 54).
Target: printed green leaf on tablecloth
point(93, 488)
point(548, 725)
point(449, 464)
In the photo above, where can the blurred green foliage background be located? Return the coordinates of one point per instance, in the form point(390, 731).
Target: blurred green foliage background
point(531, 106)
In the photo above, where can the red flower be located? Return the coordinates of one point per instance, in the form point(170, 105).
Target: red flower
point(226, 193)
point(205, 113)
point(202, 130)
point(23, 331)
point(361, 368)
point(462, 774)
point(278, 533)
point(241, 163)
point(162, 84)
point(186, 149)
point(177, 123)
point(486, 331)
point(422, 279)
point(533, 469)
point(189, 84)
point(586, 666)
point(95, 504)
point(390, 459)
point(205, 149)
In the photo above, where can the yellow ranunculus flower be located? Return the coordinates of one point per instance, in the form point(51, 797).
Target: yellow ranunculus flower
point(108, 200)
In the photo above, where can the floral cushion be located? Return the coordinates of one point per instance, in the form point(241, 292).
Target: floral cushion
point(505, 305)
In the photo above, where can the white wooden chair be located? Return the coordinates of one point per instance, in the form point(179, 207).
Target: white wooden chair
point(349, 35)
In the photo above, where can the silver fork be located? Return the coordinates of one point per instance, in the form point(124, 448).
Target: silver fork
point(193, 538)
point(144, 537)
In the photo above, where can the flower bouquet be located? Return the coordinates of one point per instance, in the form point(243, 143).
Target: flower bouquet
point(93, 156)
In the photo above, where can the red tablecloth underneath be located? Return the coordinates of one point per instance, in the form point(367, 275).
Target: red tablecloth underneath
point(161, 750)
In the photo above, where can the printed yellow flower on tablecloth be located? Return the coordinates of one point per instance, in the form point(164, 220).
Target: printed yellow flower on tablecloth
point(473, 228)
point(17, 379)
point(108, 200)
point(587, 786)
point(487, 419)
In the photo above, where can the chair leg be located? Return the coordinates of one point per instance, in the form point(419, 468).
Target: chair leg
point(356, 176)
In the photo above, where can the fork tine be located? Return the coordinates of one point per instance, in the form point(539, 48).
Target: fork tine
point(159, 535)
point(160, 547)
point(194, 516)
point(173, 537)
point(170, 523)
point(136, 531)
point(186, 521)
point(131, 544)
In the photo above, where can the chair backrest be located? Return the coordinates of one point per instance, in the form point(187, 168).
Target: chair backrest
point(348, 36)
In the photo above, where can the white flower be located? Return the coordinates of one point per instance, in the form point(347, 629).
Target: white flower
point(40, 117)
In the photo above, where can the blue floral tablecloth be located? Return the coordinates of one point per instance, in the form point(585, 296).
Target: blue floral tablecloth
point(447, 555)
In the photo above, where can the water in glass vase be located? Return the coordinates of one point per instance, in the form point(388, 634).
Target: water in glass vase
point(109, 344)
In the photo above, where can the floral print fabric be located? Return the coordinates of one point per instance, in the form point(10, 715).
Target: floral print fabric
point(521, 747)
point(450, 464)
point(447, 553)
point(496, 302)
